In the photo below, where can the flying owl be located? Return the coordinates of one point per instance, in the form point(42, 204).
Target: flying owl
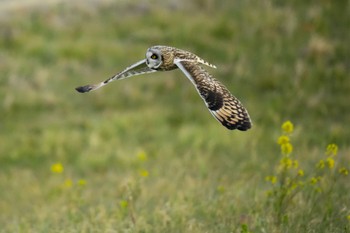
point(226, 108)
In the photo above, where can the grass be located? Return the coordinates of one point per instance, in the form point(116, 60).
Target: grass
point(144, 154)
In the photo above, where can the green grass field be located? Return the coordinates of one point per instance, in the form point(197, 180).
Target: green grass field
point(144, 154)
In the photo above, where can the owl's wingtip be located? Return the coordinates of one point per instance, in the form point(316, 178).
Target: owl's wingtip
point(241, 127)
point(245, 127)
point(83, 89)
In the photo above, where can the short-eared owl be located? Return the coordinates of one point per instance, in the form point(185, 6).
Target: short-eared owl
point(226, 108)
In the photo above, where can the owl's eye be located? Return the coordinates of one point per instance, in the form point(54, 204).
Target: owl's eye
point(154, 56)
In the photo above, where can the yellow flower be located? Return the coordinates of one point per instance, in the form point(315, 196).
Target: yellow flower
point(123, 204)
point(332, 150)
point(272, 179)
point(343, 171)
point(286, 148)
point(287, 127)
point(283, 140)
point(300, 172)
point(143, 173)
point(57, 168)
point(286, 163)
point(320, 164)
point(220, 189)
point(348, 217)
point(81, 182)
point(269, 193)
point(142, 156)
point(330, 163)
point(68, 183)
point(315, 180)
point(293, 186)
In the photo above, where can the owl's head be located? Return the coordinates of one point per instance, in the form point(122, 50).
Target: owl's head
point(154, 58)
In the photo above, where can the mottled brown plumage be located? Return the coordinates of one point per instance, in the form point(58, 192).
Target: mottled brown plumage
point(226, 108)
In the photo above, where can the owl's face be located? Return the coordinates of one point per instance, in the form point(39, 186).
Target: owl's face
point(154, 58)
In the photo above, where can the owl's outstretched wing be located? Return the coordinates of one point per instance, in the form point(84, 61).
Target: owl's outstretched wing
point(226, 108)
point(136, 69)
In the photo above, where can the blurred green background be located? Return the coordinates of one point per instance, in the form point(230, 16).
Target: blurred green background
point(144, 154)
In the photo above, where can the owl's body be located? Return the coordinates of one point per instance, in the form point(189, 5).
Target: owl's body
point(226, 108)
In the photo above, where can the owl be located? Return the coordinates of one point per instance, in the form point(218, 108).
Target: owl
point(226, 108)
